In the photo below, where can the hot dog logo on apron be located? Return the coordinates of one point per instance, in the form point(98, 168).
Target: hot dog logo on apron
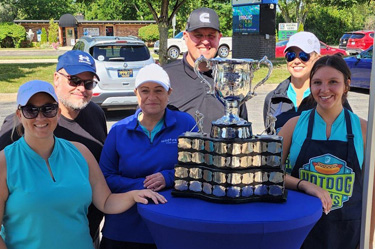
point(331, 174)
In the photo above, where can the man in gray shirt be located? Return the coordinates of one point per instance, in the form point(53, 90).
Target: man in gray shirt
point(189, 94)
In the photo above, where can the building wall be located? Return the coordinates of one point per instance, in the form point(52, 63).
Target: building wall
point(35, 27)
point(118, 29)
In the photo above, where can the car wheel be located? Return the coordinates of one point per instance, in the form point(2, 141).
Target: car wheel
point(223, 51)
point(173, 53)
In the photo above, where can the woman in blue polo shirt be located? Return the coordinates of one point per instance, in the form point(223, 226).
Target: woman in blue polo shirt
point(140, 153)
point(326, 147)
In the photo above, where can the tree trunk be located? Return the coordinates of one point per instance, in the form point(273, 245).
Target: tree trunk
point(163, 32)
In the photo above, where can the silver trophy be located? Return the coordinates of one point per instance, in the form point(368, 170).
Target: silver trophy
point(232, 86)
point(231, 165)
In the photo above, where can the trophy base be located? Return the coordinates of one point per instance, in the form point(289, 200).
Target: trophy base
point(217, 199)
point(230, 171)
point(231, 131)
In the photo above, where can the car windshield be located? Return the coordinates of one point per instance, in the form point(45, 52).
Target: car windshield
point(179, 35)
point(120, 53)
point(357, 36)
point(367, 54)
point(282, 43)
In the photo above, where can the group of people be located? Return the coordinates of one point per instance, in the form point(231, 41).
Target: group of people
point(59, 170)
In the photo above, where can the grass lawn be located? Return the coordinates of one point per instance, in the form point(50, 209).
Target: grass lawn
point(13, 75)
point(6, 57)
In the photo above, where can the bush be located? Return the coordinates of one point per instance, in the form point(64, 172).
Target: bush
point(149, 33)
point(11, 35)
point(43, 37)
point(53, 31)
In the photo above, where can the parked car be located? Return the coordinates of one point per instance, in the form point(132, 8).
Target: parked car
point(324, 49)
point(177, 46)
point(344, 40)
point(360, 41)
point(360, 66)
point(118, 61)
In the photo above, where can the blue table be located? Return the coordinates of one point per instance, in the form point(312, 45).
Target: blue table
point(193, 223)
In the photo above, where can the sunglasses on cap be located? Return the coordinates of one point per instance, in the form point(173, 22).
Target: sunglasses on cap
point(291, 55)
point(48, 110)
point(75, 81)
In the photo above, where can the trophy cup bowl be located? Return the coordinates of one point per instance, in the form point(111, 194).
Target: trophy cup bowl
point(232, 86)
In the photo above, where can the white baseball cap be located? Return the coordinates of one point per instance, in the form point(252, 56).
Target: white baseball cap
point(306, 41)
point(153, 73)
point(30, 88)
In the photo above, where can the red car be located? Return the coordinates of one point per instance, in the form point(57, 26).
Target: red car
point(324, 49)
point(360, 41)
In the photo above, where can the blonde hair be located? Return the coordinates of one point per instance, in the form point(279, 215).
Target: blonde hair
point(17, 128)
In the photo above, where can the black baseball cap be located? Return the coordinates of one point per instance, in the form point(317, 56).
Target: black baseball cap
point(203, 18)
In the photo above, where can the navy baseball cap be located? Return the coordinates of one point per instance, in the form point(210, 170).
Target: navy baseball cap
point(203, 18)
point(75, 62)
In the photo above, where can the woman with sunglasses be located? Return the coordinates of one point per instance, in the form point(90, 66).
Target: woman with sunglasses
point(47, 183)
point(289, 98)
point(326, 151)
point(140, 153)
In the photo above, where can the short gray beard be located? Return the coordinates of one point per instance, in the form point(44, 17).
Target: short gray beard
point(73, 106)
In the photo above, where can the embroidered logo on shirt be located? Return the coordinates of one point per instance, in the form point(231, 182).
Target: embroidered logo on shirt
point(332, 174)
point(169, 141)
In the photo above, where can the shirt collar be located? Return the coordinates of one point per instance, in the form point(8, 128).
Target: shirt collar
point(189, 70)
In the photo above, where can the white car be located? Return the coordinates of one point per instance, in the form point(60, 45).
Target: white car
point(177, 46)
point(118, 61)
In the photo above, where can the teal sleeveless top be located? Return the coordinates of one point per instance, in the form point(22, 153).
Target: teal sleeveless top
point(44, 212)
point(338, 132)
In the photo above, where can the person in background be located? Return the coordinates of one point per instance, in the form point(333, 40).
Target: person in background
point(202, 37)
point(290, 97)
point(326, 147)
point(140, 153)
point(47, 183)
point(81, 120)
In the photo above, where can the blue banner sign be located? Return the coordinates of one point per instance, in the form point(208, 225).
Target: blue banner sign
point(246, 19)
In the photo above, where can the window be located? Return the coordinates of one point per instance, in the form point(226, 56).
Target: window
point(79, 46)
point(121, 53)
point(357, 36)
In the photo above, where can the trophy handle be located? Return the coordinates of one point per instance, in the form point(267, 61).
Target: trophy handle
point(268, 63)
point(196, 70)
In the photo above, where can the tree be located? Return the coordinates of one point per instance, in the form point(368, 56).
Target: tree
point(329, 23)
point(298, 10)
point(43, 36)
point(7, 12)
point(112, 10)
point(53, 31)
point(39, 9)
point(149, 33)
point(11, 35)
point(163, 20)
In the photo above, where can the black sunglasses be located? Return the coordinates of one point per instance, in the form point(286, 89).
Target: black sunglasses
point(48, 110)
point(291, 55)
point(75, 81)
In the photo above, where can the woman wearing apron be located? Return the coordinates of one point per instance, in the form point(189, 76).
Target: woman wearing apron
point(326, 150)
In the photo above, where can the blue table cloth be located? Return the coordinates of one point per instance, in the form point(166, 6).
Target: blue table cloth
point(193, 223)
